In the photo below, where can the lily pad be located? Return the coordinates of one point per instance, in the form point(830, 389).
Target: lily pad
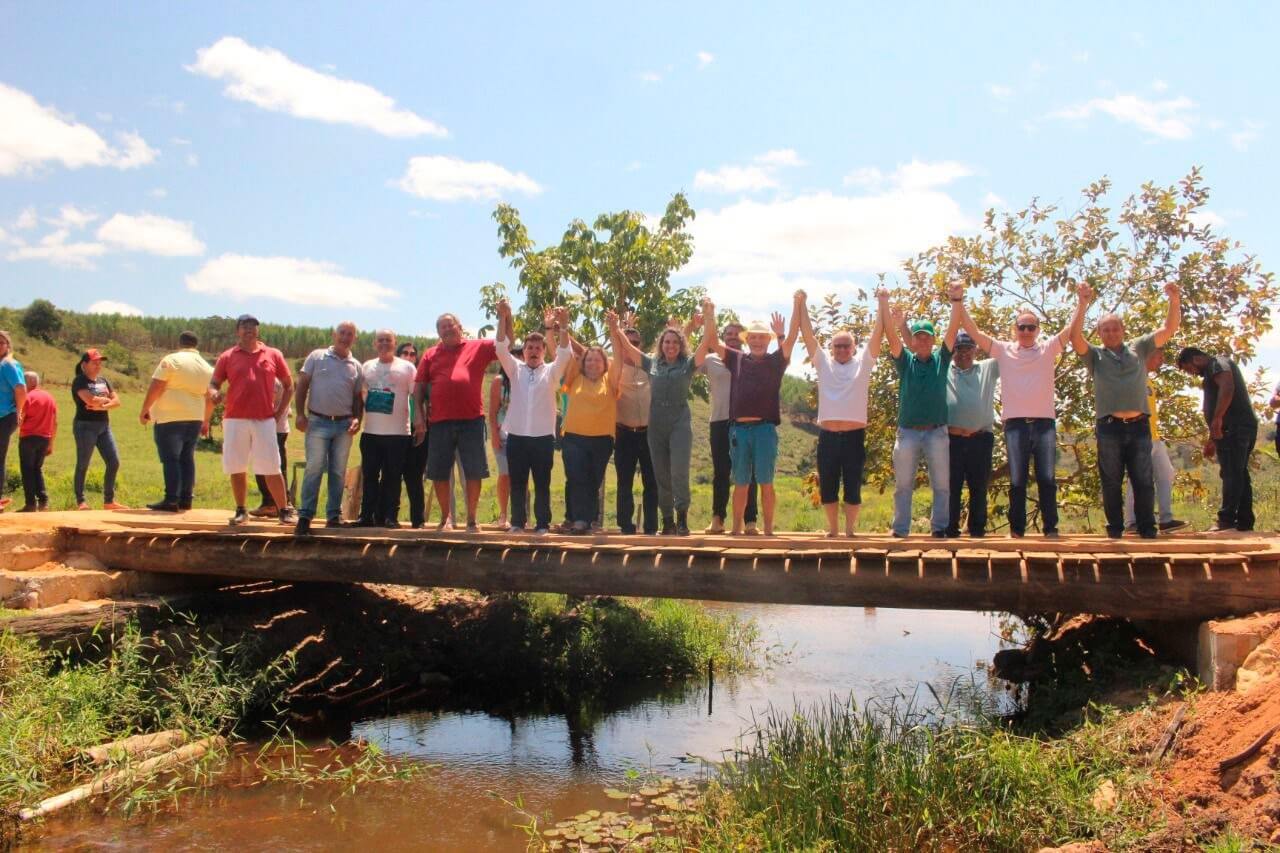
point(615, 794)
point(649, 792)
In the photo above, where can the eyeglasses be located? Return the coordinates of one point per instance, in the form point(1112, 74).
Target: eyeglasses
point(1027, 327)
point(842, 346)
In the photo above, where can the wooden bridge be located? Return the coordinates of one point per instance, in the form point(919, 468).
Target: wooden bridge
point(1173, 578)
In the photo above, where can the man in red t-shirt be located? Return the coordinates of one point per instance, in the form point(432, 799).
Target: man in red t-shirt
point(446, 396)
point(35, 442)
point(250, 370)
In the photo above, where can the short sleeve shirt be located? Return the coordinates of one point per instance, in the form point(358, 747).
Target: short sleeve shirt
point(40, 415)
point(1120, 376)
point(99, 387)
point(634, 397)
point(388, 386)
point(668, 384)
point(335, 381)
point(756, 385)
point(1027, 377)
point(186, 376)
point(456, 377)
point(11, 376)
point(591, 407)
point(251, 381)
point(971, 395)
point(721, 382)
point(922, 388)
point(1240, 410)
point(842, 388)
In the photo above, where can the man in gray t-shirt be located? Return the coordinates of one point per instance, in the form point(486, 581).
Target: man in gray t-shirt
point(719, 378)
point(329, 408)
point(1123, 428)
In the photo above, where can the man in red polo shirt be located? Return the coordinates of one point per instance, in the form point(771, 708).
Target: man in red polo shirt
point(451, 376)
point(250, 370)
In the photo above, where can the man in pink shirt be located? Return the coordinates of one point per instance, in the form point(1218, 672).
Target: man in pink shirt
point(250, 369)
point(1028, 412)
point(446, 396)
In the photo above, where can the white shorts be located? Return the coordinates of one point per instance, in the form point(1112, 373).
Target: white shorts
point(250, 443)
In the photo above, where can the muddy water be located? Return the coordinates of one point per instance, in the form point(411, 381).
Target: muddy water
point(557, 763)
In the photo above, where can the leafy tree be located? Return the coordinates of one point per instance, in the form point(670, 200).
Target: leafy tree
point(1030, 259)
point(41, 320)
point(619, 263)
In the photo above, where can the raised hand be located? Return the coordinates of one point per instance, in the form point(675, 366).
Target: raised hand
point(1172, 290)
point(611, 317)
point(882, 294)
point(503, 308)
point(548, 317)
point(778, 325)
point(629, 319)
point(801, 298)
point(562, 316)
point(696, 319)
point(708, 307)
point(1085, 292)
point(672, 322)
point(897, 316)
point(955, 292)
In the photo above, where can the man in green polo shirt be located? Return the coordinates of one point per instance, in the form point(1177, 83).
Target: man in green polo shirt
point(922, 414)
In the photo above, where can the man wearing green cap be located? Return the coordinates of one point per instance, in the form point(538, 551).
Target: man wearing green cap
point(922, 414)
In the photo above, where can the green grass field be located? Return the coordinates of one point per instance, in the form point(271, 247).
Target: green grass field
point(141, 481)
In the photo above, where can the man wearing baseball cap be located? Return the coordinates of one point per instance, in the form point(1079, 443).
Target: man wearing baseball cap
point(971, 414)
point(250, 369)
point(922, 414)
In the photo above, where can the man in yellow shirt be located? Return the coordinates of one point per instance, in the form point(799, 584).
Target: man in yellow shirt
point(178, 403)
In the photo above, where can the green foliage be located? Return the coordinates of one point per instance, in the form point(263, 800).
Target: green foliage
point(121, 358)
point(618, 263)
point(41, 320)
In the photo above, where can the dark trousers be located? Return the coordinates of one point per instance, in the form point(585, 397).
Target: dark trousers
point(382, 460)
point(415, 472)
point(176, 444)
point(841, 457)
point(31, 456)
point(586, 458)
point(90, 436)
point(721, 476)
point(8, 426)
point(1234, 449)
point(1027, 440)
point(631, 449)
point(281, 439)
point(531, 455)
point(1126, 447)
point(970, 466)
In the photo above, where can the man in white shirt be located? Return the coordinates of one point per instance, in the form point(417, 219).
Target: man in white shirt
point(843, 383)
point(530, 423)
point(1027, 375)
point(387, 383)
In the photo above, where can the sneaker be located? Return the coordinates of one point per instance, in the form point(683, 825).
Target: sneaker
point(162, 506)
point(627, 531)
point(29, 508)
point(241, 517)
point(363, 522)
point(288, 515)
point(1221, 528)
point(1052, 534)
point(579, 528)
point(183, 506)
point(264, 511)
point(112, 506)
point(1170, 526)
point(391, 525)
point(303, 528)
point(1131, 529)
point(514, 529)
point(335, 521)
point(541, 531)
point(416, 525)
point(896, 535)
point(939, 534)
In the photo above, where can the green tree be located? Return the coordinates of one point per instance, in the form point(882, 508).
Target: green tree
point(619, 263)
point(1030, 259)
point(41, 320)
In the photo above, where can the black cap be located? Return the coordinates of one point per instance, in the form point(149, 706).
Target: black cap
point(247, 318)
point(963, 340)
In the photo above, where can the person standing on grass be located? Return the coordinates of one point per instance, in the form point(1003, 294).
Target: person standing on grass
point(1275, 404)
point(530, 422)
point(631, 444)
point(755, 408)
point(94, 399)
point(35, 443)
point(177, 401)
point(592, 383)
point(844, 380)
point(454, 370)
point(1027, 366)
point(1123, 427)
point(499, 399)
point(250, 369)
point(922, 413)
point(415, 459)
point(1161, 466)
point(329, 407)
point(1233, 432)
point(266, 507)
point(721, 384)
point(971, 415)
point(384, 444)
point(13, 395)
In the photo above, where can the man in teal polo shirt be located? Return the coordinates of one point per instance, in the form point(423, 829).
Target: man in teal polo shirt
point(971, 414)
point(922, 414)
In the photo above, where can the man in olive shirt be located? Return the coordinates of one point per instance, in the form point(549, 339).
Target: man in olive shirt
point(1233, 432)
point(922, 415)
point(1123, 413)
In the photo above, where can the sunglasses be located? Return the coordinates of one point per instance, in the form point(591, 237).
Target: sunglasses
point(1027, 327)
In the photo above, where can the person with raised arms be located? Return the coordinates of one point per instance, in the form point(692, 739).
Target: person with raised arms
point(844, 379)
point(631, 443)
point(755, 407)
point(720, 383)
point(971, 414)
point(1123, 413)
point(530, 423)
point(587, 441)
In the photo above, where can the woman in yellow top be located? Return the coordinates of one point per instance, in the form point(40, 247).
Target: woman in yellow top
point(592, 383)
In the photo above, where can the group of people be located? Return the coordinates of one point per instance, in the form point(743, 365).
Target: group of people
point(417, 417)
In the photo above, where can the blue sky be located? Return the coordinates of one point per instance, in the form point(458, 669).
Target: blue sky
point(171, 158)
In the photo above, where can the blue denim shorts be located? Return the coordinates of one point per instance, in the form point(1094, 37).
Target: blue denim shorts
point(753, 449)
point(465, 438)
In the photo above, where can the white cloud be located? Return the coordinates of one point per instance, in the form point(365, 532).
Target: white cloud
point(734, 179)
point(154, 235)
point(32, 135)
point(267, 78)
point(72, 218)
point(1159, 85)
point(1167, 119)
point(450, 179)
point(158, 192)
point(27, 219)
point(1001, 91)
point(193, 160)
point(916, 175)
point(178, 140)
point(650, 77)
point(780, 157)
point(1203, 217)
point(993, 200)
point(1246, 136)
point(55, 249)
point(299, 281)
point(705, 58)
point(110, 306)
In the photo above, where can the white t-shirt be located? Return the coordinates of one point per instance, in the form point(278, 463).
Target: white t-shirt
point(387, 389)
point(1026, 378)
point(842, 388)
point(531, 411)
point(721, 381)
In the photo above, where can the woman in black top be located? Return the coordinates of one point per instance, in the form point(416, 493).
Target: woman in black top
point(94, 398)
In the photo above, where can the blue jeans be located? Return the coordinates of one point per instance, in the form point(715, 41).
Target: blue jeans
point(935, 445)
point(1027, 439)
point(328, 443)
point(176, 444)
point(1126, 447)
point(91, 435)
